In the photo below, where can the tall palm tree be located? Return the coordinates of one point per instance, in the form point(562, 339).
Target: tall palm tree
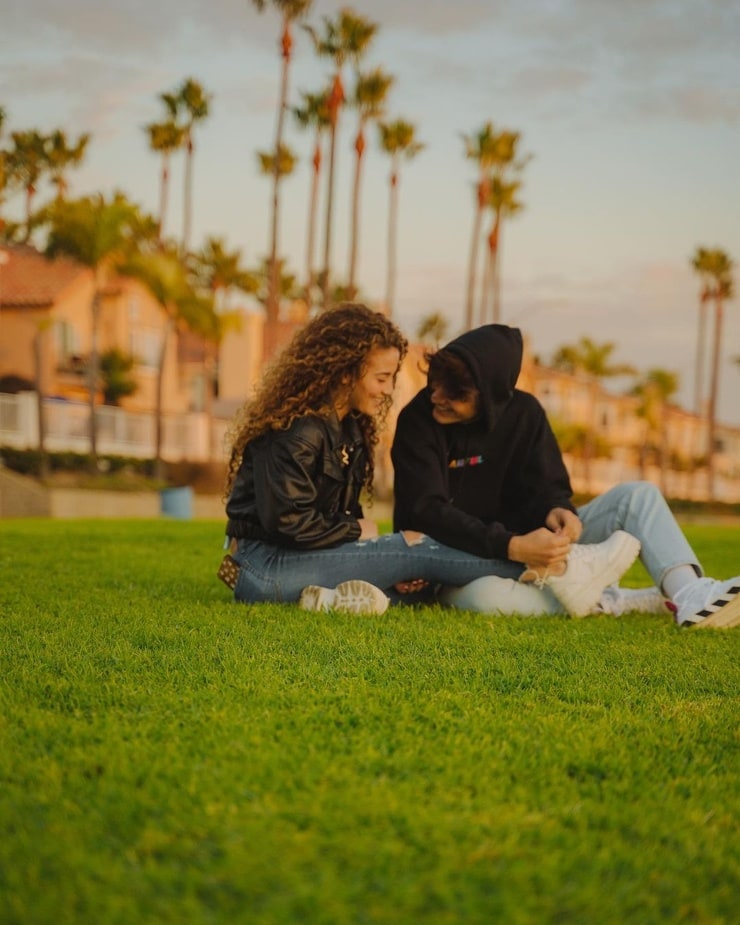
point(654, 391)
point(219, 272)
point(193, 103)
point(481, 148)
point(165, 276)
point(164, 138)
point(702, 264)
point(99, 234)
point(398, 140)
point(61, 156)
point(313, 114)
point(345, 38)
point(593, 361)
point(4, 178)
point(722, 288)
point(290, 11)
point(503, 202)
point(28, 159)
point(371, 90)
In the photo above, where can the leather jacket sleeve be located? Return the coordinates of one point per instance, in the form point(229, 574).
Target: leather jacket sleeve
point(299, 490)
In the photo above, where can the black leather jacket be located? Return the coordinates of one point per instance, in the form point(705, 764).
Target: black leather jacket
point(300, 487)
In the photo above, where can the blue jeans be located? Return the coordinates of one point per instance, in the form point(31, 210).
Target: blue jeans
point(640, 509)
point(274, 573)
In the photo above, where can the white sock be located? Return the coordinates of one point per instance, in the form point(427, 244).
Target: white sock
point(677, 578)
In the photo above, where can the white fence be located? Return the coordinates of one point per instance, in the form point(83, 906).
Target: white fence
point(190, 436)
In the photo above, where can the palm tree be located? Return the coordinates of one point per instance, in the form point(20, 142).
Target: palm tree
point(654, 392)
point(61, 156)
point(28, 159)
point(503, 202)
point(99, 234)
point(481, 148)
point(165, 276)
point(346, 38)
point(591, 360)
point(433, 327)
point(165, 138)
point(397, 140)
point(314, 113)
point(719, 268)
point(701, 262)
point(290, 11)
point(194, 103)
point(4, 178)
point(218, 272)
point(371, 90)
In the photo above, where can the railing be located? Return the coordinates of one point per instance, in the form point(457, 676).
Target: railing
point(119, 432)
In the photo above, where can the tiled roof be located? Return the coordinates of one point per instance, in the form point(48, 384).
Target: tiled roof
point(29, 279)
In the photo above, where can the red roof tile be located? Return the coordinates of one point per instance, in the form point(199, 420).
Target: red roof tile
point(29, 279)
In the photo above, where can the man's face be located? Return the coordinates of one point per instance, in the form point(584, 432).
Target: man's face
point(459, 410)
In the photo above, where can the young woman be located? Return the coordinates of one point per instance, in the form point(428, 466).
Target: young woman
point(302, 453)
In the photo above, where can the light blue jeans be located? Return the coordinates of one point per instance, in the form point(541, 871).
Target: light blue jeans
point(274, 573)
point(638, 508)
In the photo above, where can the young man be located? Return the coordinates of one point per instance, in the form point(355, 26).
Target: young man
point(478, 468)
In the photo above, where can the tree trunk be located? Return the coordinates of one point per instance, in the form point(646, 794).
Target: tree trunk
point(355, 217)
point(163, 191)
point(699, 364)
point(311, 236)
point(159, 422)
point(392, 230)
point(335, 101)
point(92, 372)
point(40, 412)
point(188, 196)
point(482, 196)
point(713, 394)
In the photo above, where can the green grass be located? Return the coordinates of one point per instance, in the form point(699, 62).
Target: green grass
point(168, 756)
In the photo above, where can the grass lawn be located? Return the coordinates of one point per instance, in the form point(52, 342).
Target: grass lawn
point(167, 756)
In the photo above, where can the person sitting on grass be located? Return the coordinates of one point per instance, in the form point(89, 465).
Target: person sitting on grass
point(302, 453)
point(476, 466)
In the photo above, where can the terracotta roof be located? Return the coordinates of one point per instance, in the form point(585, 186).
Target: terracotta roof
point(29, 279)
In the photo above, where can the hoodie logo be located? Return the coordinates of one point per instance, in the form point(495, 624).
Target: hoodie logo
point(466, 461)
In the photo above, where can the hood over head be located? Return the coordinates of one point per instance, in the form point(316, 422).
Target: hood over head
point(493, 354)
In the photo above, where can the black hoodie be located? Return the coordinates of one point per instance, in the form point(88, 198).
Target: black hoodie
point(474, 485)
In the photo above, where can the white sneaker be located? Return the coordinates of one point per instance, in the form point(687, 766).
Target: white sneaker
point(589, 569)
point(616, 601)
point(353, 596)
point(706, 603)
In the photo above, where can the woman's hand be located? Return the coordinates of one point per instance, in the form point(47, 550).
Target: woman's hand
point(410, 587)
point(368, 529)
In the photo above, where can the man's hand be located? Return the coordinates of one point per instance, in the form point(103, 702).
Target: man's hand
point(539, 549)
point(561, 520)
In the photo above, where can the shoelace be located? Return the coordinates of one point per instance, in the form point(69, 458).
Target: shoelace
point(532, 576)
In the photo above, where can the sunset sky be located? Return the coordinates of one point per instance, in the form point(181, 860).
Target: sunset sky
point(630, 110)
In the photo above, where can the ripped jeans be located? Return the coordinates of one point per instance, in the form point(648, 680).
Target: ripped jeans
point(274, 573)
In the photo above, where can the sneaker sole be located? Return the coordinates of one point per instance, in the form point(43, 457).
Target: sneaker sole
point(354, 596)
point(589, 596)
point(723, 613)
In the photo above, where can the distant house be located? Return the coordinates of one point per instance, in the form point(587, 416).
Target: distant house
point(45, 337)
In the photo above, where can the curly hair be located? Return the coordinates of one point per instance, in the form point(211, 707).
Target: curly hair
point(322, 358)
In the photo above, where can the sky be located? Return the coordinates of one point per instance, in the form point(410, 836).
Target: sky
point(630, 112)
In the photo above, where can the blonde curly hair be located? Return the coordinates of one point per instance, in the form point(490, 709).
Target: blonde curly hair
point(325, 358)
